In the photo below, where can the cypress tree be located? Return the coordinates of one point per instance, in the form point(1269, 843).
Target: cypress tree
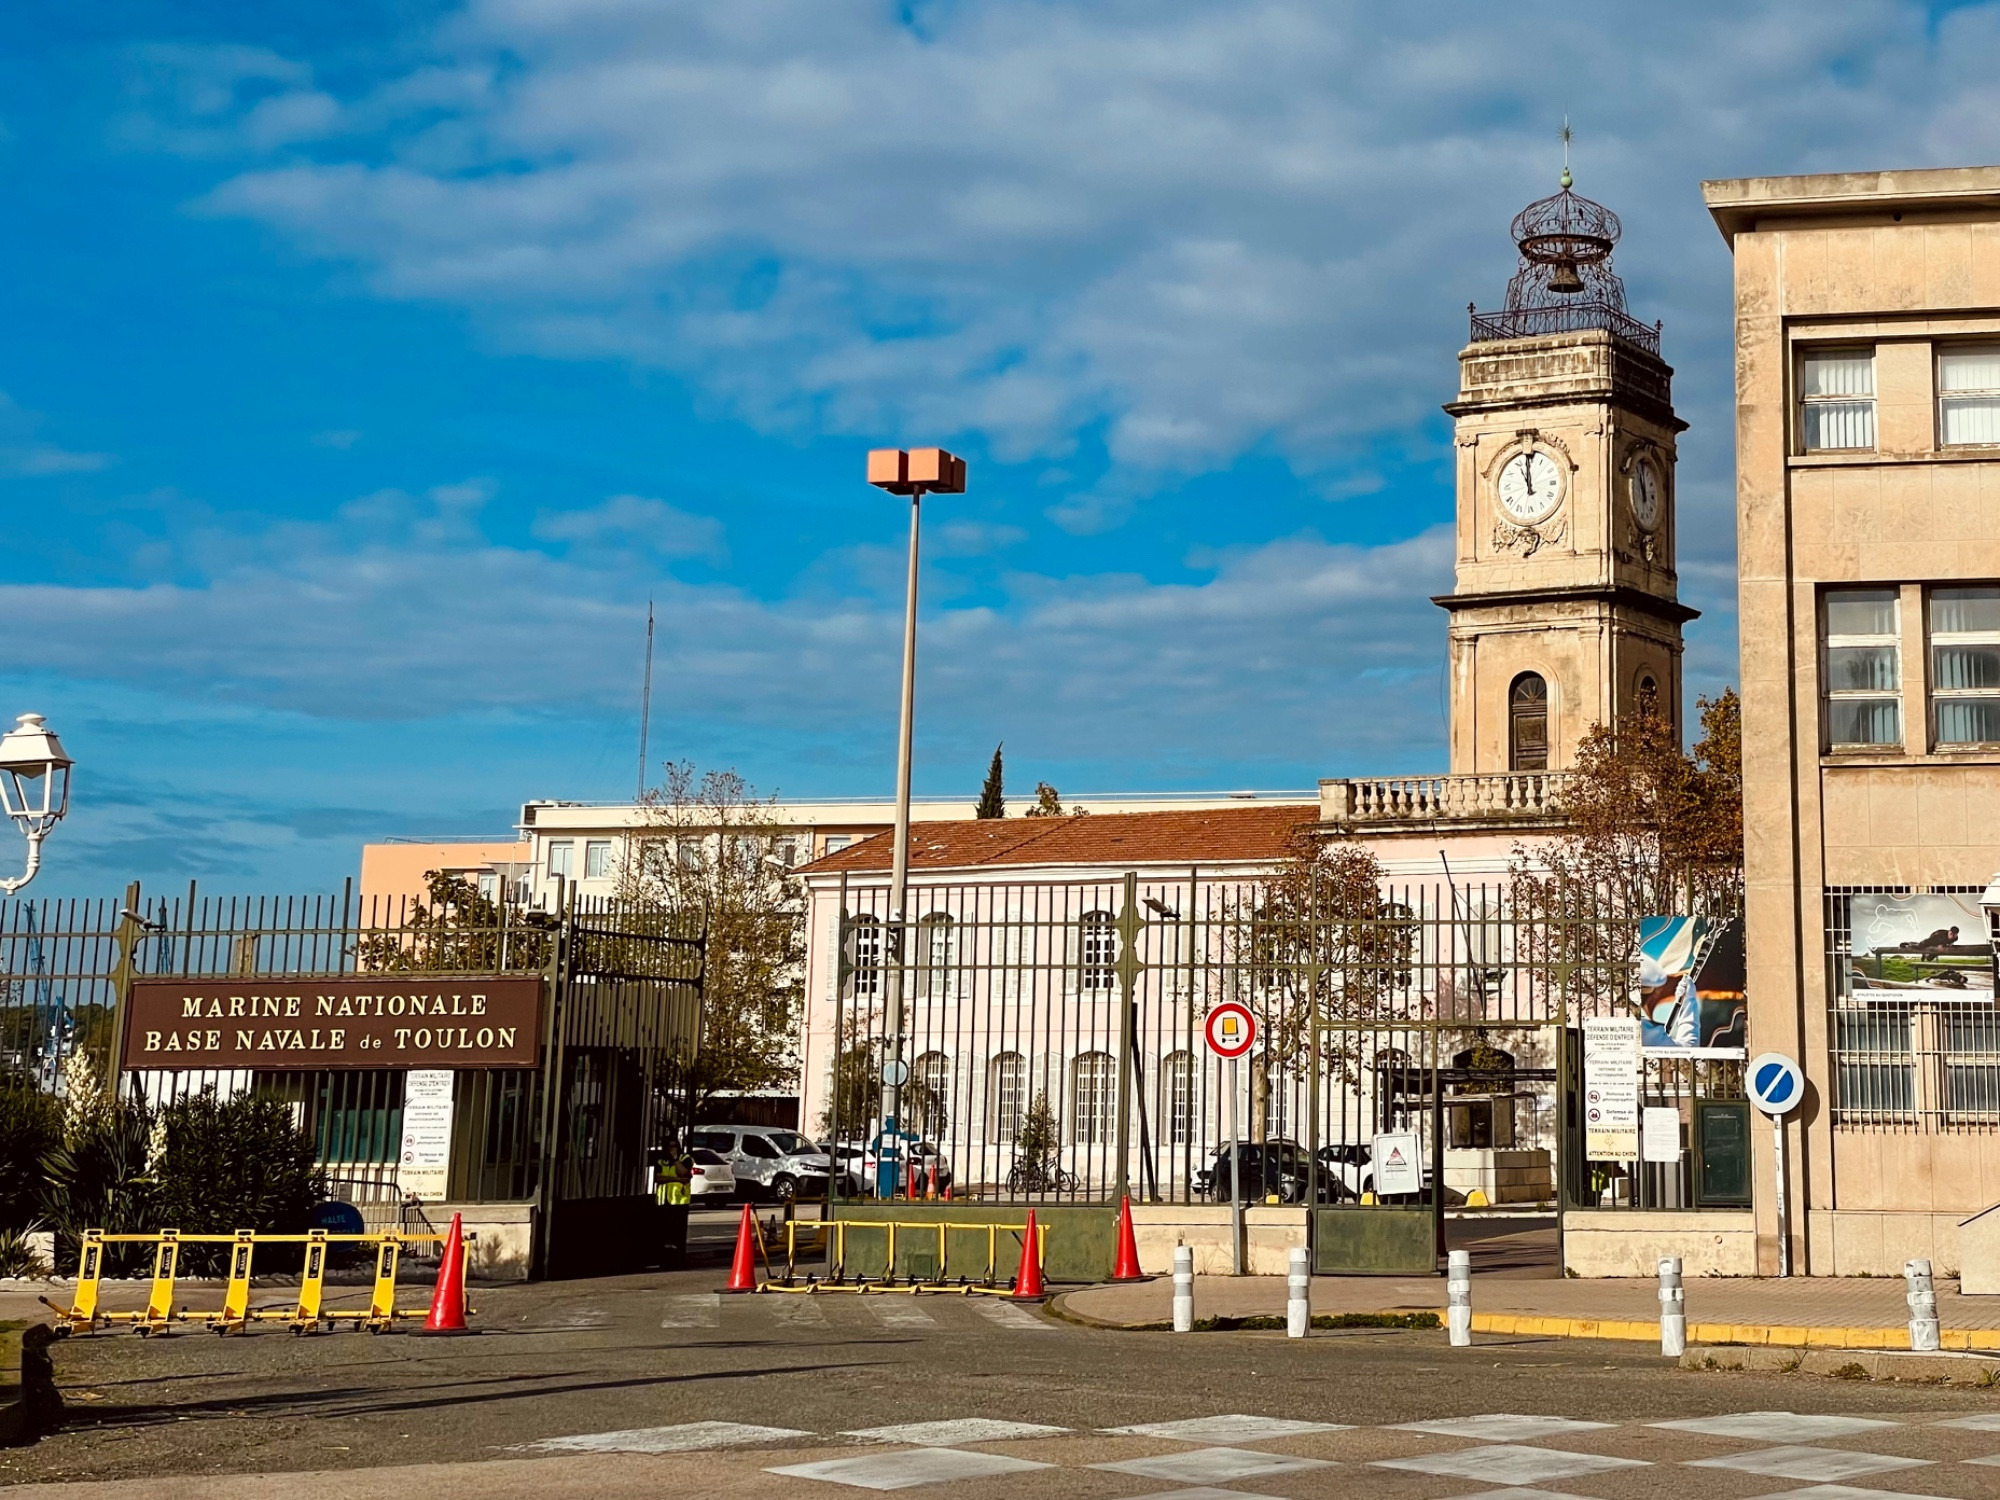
point(992, 796)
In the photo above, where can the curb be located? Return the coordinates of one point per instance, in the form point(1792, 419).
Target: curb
point(1755, 1335)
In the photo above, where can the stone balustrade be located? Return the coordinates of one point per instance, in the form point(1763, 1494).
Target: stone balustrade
point(1500, 797)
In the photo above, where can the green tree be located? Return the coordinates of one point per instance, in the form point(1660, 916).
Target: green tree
point(458, 931)
point(30, 1127)
point(1651, 830)
point(993, 795)
point(1048, 804)
point(711, 846)
point(1039, 1140)
point(227, 1164)
point(1322, 945)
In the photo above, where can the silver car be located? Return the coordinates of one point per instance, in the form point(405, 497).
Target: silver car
point(768, 1160)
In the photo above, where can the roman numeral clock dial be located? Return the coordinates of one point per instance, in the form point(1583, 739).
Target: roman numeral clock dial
point(1530, 487)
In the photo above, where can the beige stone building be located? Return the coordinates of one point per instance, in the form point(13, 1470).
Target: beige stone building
point(1868, 504)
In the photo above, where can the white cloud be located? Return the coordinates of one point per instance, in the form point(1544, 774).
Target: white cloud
point(24, 456)
point(401, 610)
point(650, 525)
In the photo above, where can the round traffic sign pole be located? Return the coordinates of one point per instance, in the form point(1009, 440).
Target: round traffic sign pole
point(1230, 1031)
point(1776, 1087)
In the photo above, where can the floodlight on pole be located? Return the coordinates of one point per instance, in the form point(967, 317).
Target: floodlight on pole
point(915, 472)
point(34, 787)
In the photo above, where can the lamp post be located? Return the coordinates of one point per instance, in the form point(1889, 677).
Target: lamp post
point(915, 473)
point(34, 787)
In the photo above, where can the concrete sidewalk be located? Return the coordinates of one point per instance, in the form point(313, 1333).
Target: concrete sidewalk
point(1863, 1311)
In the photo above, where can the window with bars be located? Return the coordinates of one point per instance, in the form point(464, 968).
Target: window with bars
point(1100, 951)
point(1092, 1097)
point(1912, 1048)
point(1837, 400)
point(865, 940)
point(933, 1101)
point(937, 955)
point(1965, 665)
point(1968, 397)
point(1860, 669)
point(1177, 1098)
point(1007, 1090)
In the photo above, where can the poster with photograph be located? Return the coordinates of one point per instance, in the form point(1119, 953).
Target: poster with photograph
point(1936, 944)
point(1690, 988)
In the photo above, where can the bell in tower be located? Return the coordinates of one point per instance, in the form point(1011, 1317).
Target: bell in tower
point(1565, 612)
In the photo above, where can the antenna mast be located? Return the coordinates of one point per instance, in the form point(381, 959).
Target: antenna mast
point(646, 701)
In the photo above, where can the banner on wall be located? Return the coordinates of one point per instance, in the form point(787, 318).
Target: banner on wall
point(1926, 943)
point(1690, 990)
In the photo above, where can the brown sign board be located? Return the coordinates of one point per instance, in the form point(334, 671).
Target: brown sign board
point(302, 1022)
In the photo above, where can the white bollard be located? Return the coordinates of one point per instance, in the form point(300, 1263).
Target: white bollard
point(1921, 1293)
point(1458, 1296)
point(1298, 1295)
point(1673, 1308)
point(1183, 1289)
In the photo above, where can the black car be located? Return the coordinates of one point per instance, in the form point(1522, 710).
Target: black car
point(1270, 1169)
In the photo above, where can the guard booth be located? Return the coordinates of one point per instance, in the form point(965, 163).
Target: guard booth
point(506, 1063)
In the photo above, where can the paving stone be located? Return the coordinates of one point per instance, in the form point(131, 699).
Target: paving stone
point(1796, 1462)
point(950, 1434)
point(1213, 1465)
point(1508, 1464)
point(1502, 1427)
point(1230, 1429)
point(910, 1468)
point(688, 1437)
point(1776, 1426)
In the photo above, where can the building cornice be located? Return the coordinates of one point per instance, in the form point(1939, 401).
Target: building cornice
point(1671, 610)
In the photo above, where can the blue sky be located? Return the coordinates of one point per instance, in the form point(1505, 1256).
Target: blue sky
point(366, 369)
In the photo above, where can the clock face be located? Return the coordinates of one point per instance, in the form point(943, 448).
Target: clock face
point(1646, 494)
point(1530, 487)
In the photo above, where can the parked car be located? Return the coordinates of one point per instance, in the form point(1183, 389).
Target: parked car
point(1353, 1166)
point(1270, 1168)
point(861, 1162)
point(711, 1176)
point(768, 1161)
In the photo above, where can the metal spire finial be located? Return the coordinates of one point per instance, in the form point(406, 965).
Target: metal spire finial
point(1566, 178)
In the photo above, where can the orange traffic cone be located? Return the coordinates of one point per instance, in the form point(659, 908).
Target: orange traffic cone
point(930, 1190)
point(1028, 1285)
point(743, 1274)
point(1127, 1268)
point(448, 1301)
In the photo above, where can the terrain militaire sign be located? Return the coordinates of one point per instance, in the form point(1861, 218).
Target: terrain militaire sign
point(342, 1021)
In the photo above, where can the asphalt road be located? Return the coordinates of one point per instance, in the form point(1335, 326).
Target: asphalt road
point(568, 1360)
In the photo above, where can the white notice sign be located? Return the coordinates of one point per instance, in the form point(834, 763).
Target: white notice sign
point(1611, 1088)
point(426, 1155)
point(1397, 1163)
point(1660, 1135)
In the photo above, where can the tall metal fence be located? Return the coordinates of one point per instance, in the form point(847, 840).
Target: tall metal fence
point(1052, 1043)
point(623, 987)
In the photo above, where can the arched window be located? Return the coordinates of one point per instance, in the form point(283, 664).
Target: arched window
point(1100, 951)
point(864, 954)
point(937, 955)
point(1093, 1098)
point(1528, 723)
point(931, 1108)
point(1177, 1098)
point(1649, 694)
point(1007, 1095)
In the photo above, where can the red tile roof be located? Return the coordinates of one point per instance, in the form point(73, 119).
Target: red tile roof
point(1217, 836)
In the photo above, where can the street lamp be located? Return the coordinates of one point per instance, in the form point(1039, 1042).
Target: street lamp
point(915, 473)
point(34, 787)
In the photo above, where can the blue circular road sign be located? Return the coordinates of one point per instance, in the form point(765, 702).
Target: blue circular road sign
point(1776, 1085)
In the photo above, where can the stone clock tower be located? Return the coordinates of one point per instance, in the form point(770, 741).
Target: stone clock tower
point(1565, 611)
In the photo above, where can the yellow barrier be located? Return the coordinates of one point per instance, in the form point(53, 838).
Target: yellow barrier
point(236, 1315)
point(939, 1281)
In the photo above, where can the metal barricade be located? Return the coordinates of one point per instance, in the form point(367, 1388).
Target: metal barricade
point(832, 1236)
point(309, 1315)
